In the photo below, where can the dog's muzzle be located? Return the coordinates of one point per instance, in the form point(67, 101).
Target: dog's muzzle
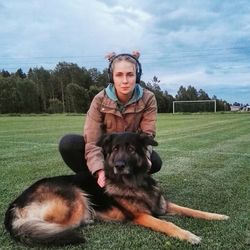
point(121, 167)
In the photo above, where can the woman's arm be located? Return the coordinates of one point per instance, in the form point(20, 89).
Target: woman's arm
point(92, 132)
point(148, 121)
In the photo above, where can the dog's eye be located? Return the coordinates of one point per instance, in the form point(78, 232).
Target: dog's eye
point(115, 148)
point(131, 149)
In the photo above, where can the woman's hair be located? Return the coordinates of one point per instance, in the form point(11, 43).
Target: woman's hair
point(112, 57)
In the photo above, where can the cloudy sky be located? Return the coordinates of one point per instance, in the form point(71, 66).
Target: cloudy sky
point(201, 43)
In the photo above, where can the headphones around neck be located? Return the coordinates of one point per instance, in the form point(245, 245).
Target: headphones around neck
point(138, 68)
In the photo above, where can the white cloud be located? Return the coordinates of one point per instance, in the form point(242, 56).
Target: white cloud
point(129, 12)
point(181, 41)
point(73, 28)
point(230, 86)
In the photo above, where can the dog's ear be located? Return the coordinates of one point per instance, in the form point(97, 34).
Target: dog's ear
point(148, 140)
point(104, 140)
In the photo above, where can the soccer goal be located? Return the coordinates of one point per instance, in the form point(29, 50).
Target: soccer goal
point(194, 106)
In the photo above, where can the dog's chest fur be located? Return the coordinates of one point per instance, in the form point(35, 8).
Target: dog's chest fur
point(146, 198)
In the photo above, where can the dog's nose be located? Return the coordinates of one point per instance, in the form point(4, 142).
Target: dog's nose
point(120, 165)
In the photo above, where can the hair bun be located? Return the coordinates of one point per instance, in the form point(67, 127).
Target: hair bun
point(110, 56)
point(136, 54)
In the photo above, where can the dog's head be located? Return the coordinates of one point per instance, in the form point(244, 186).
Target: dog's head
point(125, 153)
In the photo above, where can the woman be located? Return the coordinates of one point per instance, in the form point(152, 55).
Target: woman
point(123, 106)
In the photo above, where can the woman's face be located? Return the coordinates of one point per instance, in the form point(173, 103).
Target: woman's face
point(124, 76)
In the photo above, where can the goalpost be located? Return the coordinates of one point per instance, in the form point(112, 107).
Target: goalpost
point(195, 101)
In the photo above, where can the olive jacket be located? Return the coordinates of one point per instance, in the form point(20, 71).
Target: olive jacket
point(106, 115)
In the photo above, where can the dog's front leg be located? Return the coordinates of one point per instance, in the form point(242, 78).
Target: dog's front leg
point(165, 227)
point(174, 209)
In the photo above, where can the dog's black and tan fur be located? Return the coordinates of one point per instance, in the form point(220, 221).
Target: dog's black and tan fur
point(49, 210)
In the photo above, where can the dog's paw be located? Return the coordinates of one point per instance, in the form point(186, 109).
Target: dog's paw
point(220, 217)
point(193, 239)
point(224, 217)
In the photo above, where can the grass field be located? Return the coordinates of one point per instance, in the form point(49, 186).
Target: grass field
point(206, 166)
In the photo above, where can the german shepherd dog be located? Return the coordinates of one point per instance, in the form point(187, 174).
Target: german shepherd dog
point(50, 210)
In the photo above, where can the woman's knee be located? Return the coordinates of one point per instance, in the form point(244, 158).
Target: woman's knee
point(71, 142)
point(156, 162)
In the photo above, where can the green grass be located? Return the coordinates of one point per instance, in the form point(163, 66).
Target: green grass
point(206, 166)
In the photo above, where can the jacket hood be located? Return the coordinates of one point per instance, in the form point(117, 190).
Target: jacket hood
point(137, 94)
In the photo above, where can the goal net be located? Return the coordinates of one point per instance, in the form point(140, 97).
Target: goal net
point(194, 106)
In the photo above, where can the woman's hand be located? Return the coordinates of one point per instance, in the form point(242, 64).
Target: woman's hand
point(101, 178)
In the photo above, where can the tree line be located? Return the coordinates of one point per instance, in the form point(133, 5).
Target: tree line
point(70, 88)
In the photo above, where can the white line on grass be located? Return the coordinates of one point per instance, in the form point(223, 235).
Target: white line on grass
point(31, 143)
point(206, 152)
point(70, 128)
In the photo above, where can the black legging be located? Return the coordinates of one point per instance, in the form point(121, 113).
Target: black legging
point(72, 148)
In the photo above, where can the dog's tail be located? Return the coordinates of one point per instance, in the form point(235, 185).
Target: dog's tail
point(51, 223)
